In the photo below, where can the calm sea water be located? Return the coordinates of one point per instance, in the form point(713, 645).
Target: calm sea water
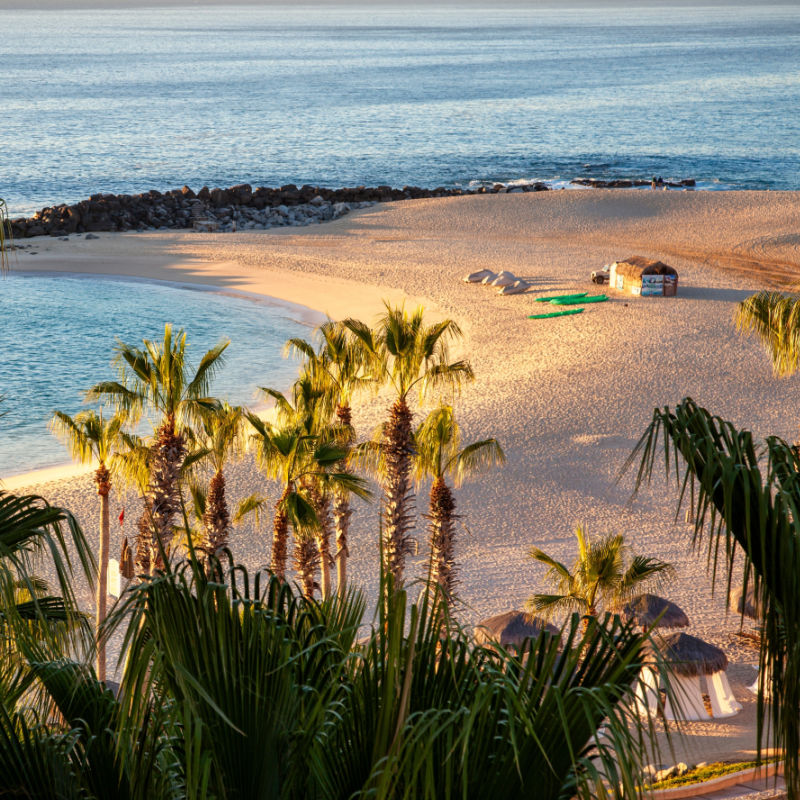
point(124, 101)
point(60, 331)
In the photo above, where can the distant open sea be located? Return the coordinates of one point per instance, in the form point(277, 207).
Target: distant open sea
point(129, 100)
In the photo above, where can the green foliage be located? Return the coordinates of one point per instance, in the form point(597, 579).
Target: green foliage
point(438, 452)
point(602, 576)
point(408, 353)
point(236, 687)
point(745, 497)
point(775, 319)
point(158, 378)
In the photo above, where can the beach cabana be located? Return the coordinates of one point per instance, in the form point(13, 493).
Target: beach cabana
point(647, 610)
point(695, 665)
point(748, 605)
point(512, 628)
point(641, 276)
point(745, 603)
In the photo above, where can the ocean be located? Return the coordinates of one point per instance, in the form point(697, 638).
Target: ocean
point(129, 100)
point(62, 329)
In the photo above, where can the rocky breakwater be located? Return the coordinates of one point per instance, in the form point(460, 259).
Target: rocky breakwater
point(237, 208)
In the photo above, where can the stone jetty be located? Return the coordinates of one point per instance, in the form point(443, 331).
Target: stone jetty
point(236, 208)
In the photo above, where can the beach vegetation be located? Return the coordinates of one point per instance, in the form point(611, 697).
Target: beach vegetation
point(337, 368)
point(295, 458)
point(412, 357)
point(775, 318)
point(744, 497)
point(91, 437)
point(157, 380)
point(235, 686)
point(219, 436)
point(603, 575)
point(438, 454)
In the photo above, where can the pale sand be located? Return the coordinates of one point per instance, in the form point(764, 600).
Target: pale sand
point(568, 398)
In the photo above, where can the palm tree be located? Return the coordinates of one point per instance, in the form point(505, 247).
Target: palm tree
point(409, 355)
point(438, 453)
point(337, 368)
point(746, 495)
point(602, 576)
point(221, 435)
point(775, 319)
point(295, 459)
point(89, 437)
point(157, 379)
point(32, 531)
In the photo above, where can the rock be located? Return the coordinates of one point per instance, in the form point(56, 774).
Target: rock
point(317, 201)
point(701, 764)
point(665, 774)
point(681, 768)
point(340, 209)
point(91, 236)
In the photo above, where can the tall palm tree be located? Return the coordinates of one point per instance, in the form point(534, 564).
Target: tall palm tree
point(337, 367)
point(295, 458)
point(409, 355)
point(221, 435)
point(744, 494)
point(158, 380)
point(602, 576)
point(439, 454)
point(90, 437)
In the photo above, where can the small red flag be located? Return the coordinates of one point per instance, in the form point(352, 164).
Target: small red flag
point(122, 516)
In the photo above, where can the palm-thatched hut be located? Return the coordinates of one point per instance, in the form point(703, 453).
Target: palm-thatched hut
point(512, 628)
point(690, 660)
point(650, 609)
point(642, 276)
point(745, 603)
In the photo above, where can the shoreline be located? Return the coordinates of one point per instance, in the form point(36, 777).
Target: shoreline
point(567, 398)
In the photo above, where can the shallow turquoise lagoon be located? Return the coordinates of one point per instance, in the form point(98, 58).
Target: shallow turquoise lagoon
point(59, 332)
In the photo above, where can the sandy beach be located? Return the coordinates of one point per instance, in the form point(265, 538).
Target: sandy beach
point(568, 398)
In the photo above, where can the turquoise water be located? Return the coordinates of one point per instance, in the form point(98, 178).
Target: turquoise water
point(129, 100)
point(59, 332)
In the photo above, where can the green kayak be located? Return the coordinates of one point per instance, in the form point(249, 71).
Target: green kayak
point(573, 301)
point(564, 313)
point(560, 297)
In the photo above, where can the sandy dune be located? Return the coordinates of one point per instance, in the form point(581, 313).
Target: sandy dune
point(568, 398)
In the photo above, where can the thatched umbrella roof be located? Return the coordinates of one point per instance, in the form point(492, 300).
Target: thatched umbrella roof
point(646, 609)
point(512, 628)
point(746, 604)
point(636, 266)
point(689, 656)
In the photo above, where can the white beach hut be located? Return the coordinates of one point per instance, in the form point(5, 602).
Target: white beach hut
point(695, 668)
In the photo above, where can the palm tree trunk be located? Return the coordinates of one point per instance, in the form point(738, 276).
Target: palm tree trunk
point(322, 507)
point(397, 496)
point(442, 522)
point(145, 549)
point(341, 509)
point(169, 452)
point(103, 480)
point(280, 537)
point(216, 519)
point(306, 559)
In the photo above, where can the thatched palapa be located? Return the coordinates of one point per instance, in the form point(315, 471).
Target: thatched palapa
point(650, 609)
point(691, 657)
point(746, 604)
point(643, 276)
point(512, 628)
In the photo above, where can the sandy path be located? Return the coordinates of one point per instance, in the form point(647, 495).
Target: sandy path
point(567, 398)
